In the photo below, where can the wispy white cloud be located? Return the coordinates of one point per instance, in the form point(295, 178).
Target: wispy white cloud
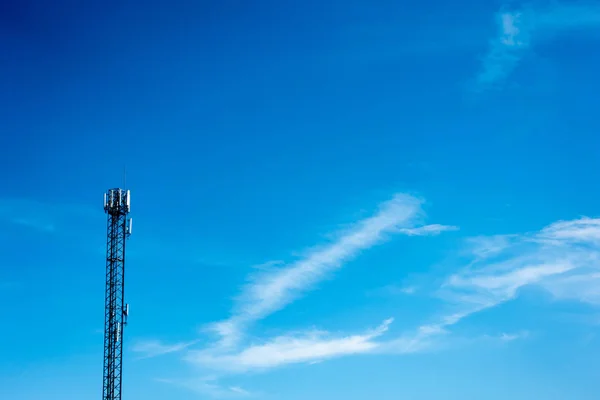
point(509, 337)
point(275, 285)
point(408, 289)
point(270, 291)
point(562, 258)
point(309, 347)
point(435, 337)
point(572, 232)
point(422, 339)
point(209, 386)
point(518, 30)
point(393, 290)
point(428, 230)
point(487, 246)
point(239, 390)
point(505, 50)
point(152, 348)
point(583, 286)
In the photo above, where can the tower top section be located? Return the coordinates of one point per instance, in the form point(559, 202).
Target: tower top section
point(117, 201)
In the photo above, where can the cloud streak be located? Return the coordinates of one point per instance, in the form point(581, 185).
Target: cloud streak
point(153, 348)
point(393, 290)
point(308, 347)
point(209, 386)
point(519, 30)
point(505, 50)
point(509, 337)
point(562, 258)
point(428, 230)
point(270, 291)
point(277, 285)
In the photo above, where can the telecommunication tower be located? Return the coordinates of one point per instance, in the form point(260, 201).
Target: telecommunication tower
point(117, 207)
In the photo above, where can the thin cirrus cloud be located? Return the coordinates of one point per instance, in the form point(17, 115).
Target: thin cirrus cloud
point(509, 337)
point(152, 348)
point(309, 347)
point(274, 287)
point(428, 230)
point(393, 290)
point(209, 386)
point(519, 30)
point(562, 258)
point(270, 291)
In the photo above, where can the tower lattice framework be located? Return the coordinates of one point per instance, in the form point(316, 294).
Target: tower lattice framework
point(117, 207)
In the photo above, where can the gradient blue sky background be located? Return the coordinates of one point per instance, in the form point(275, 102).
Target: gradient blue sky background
point(331, 199)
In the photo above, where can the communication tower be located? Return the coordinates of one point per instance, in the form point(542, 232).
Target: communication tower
point(117, 207)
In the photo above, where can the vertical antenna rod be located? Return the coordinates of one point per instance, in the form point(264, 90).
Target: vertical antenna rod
point(117, 207)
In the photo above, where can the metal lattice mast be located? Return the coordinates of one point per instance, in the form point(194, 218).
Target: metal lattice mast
point(116, 206)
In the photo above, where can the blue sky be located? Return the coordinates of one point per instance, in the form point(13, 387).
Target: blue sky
point(332, 199)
